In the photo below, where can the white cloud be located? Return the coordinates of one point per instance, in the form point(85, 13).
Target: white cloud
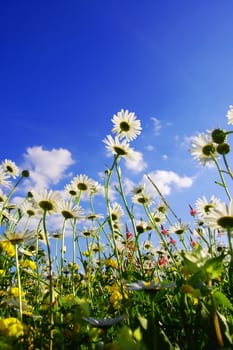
point(47, 167)
point(138, 164)
point(165, 156)
point(157, 125)
point(128, 185)
point(167, 180)
point(150, 148)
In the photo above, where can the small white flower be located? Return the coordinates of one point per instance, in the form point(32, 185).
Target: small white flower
point(82, 183)
point(126, 125)
point(158, 217)
point(69, 211)
point(118, 148)
point(149, 286)
point(116, 211)
point(47, 200)
point(205, 207)
point(203, 149)
point(10, 168)
point(221, 218)
point(30, 208)
point(4, 178)
point(142, 198)
point(229, 115)
point(103, 322)
point(3, 197)
point(179, 228)
point(148, 245)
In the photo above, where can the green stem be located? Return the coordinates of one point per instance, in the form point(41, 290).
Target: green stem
point(19, 283)
point(62, 255)
point(9, 196)
point(51, 298)
point(222, 178)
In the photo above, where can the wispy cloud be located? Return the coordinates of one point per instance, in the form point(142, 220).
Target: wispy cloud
point(156, 125)
point(168, 180)
point(150, 148)
point(137, 165)
point(47, 167)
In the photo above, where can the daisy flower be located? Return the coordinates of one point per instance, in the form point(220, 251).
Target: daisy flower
point(71, 190)
point(4, 178)
point(69, 211)
point(179, 228)
point(142, 226)
point(93, 216)
point(3, 197)
point(47, 200)
point(118, 148)
point(149, 286)
point(88, 231)
point(10, 168)
point(116, 211)
point(103, 323)
point(142, 198)
point(96, 188)
point(203, 149)
point(29, 208)
point(158, 217)
point(205, 207)
point(19, 237)
point(126, 125)
point(148, 245)
point(229, 115)
point(82, 183)
point(222, 218)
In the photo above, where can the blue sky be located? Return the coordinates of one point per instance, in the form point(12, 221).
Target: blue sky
point(67, 66)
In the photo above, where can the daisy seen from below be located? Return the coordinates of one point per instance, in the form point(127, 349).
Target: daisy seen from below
point(205, 207)
point(70, 211)
point(222, 217)
point(25, 237)
point(148, 245)
point(4, 178)
point(116, 211)
point(82, 183)
point(71, 190)
point(47, 200)
point(126, 125)
point(30, 208)
point(89, 231)
point(179, 228)
point(118, 147)
point(142, 226)
point(158, 217)
point(10, 168)
point(142, 198)
point(203, 149)
point(229, 115)
point(3, 197)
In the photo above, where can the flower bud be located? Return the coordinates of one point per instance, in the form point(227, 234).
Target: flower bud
point(218, 136)
point(25, 173)
point(223, 148)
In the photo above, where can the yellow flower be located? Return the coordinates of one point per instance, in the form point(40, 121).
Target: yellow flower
point(2, 272)
point(111, 263)
point(116, 295)
point(85, 253)
point(15, 292)
point(115, 298)
point(28, 264)
point(7, 247)
point(11, 327)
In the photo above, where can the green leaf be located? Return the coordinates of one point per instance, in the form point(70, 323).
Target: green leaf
point(214, 267)
point(221, 299)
